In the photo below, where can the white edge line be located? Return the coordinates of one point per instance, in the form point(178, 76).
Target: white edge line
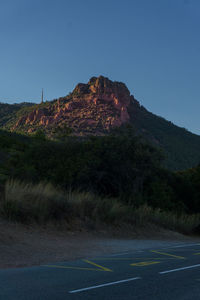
point(119, 254)
point(102, 285)
point(182, 246)
point(160, 248)
point(180, 269)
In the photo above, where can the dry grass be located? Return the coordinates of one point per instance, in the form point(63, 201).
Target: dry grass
point(25, 202)
point(42, 203)
point(178, 222)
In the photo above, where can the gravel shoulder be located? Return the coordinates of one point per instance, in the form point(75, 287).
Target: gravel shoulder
point(22, 246)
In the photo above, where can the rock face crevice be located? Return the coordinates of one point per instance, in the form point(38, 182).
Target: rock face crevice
point(95, 107)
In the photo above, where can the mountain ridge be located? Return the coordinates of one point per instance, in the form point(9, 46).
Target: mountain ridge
point(95, 108)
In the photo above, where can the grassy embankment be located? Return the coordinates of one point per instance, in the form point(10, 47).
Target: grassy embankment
point(43, 203)
point(116, 179)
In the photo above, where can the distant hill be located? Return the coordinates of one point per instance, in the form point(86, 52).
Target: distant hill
point(96, 108)
point(9, 111)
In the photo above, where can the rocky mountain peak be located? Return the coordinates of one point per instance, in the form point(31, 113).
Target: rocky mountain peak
point(102, 85)
point(92, 107)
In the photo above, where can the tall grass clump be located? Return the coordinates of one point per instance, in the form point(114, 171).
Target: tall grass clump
point(181, 222)
point(42, 202)
point(87, 205)
point(26, 202)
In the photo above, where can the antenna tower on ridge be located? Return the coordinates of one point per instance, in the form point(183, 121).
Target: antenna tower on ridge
point(42, 98)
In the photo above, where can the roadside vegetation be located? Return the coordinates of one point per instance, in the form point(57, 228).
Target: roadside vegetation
point(42, 203)
point(115, 179)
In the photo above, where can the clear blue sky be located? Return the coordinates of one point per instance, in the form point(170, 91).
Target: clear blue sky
point(151, 45)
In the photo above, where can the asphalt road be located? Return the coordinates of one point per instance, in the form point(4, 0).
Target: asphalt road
point(166, 273)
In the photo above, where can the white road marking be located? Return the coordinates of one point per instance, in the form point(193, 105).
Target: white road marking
point(102, 285)
point(180, 269)
point(148, 249)
point(119, 254)
point(182, 245)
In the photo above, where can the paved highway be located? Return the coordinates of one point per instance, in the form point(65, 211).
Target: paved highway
point(166, 273)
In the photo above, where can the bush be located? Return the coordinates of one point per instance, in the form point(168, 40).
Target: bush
point(26, 202)
point(178, 222)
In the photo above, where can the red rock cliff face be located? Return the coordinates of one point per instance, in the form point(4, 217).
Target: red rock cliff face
point(95, 107)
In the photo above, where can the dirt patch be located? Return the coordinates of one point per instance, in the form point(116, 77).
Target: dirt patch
point(33, 245)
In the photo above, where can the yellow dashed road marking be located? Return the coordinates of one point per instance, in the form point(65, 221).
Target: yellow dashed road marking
point(73, 268)
point(96, 265)
point(168, 254)
point(99, 268)
point(144, 263)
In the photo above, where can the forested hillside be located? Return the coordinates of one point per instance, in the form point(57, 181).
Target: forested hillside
point(115, 165)
point(9, 111)
point(181, 147)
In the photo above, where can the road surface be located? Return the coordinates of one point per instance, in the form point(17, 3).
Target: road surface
point(156, 273)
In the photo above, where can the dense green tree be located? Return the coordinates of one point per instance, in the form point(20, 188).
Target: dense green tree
point(117, 165)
